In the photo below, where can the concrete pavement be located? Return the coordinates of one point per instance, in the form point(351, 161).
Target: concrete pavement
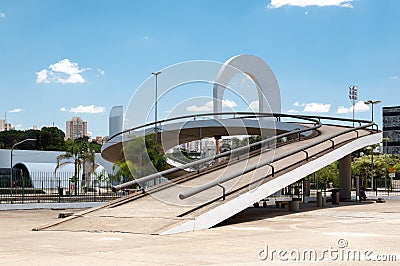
point(241, 240)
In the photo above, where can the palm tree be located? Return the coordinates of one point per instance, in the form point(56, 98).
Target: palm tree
point(81, 155)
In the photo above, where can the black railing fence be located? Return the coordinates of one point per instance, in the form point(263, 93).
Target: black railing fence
point(56, 187)
point(383, 186)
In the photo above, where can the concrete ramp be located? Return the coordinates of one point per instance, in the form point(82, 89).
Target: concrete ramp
point(160, 211)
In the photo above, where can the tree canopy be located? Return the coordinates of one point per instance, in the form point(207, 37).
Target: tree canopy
point(47, 139)
point(143, 156)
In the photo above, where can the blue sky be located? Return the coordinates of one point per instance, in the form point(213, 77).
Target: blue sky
point(61, 58)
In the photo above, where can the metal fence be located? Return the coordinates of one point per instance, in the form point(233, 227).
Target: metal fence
point(50, 187)
point(385, 187)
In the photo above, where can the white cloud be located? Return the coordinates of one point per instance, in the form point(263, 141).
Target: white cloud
point(253, 106)
point(16, 110)
point(298, 104)
point(2, 15)
point(42, 76)
point(293, 111)
point(228, 104)
point(359, 107)
point(73, 79)
point(305, 3)
point(101, 71)
point(317, 107)
point(208, 106)
point(394, 77)
point(67, 67)
point(204, 108)
point(64, 71)
point(89, 109)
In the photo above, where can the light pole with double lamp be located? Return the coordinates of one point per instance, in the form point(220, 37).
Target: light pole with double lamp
point(372, 103)
point(156, 99)
point(11, 162)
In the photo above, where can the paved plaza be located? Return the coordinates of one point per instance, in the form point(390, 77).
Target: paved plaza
point(262, 236)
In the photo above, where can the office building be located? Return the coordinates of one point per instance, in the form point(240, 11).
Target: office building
point(391, 129)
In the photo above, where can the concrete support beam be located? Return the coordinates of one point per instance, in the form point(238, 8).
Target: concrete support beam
point(217, 146)
point(345, 177)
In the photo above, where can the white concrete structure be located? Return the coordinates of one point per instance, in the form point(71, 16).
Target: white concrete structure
point(228, 209)
point(41, 164)
point(269, 98)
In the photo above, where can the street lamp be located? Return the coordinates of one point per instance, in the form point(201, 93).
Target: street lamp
point(156, 99)
point(372, 107)
point(11, 161)
point(353, 97)
point(372, 103)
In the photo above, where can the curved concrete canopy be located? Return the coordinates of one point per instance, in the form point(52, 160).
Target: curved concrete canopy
point(269, 98)
point(174, 134)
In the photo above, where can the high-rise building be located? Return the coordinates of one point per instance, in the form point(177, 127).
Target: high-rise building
point(76, 128)
point(115, 120)
point(5, 126)
point(391, 129)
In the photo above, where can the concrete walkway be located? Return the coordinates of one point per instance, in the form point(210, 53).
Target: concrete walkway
point(241, 240)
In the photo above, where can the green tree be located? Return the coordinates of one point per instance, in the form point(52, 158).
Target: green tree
point(48, 138)
point(329, 173)
point(236, 143)
point(143, 156)
point(82, 156)
point(51, 139)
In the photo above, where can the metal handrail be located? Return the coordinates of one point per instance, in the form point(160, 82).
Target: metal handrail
point(315, 119)
point(233, 175)
point(236, 151)
point(248, 115)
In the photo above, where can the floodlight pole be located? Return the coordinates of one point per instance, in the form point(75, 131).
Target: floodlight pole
point(372, 103)
point(353, 97)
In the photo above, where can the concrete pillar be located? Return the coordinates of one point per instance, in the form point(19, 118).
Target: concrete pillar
point(319, 199)
point(345, 177)
point(217, 148)
point(294, 206)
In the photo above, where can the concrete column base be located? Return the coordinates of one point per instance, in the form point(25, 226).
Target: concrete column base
point(294, 206)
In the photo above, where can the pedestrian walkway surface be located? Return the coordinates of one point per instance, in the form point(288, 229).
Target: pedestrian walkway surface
point(239, 241)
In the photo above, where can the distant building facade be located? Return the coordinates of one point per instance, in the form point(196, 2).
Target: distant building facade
point(391, 129)
point(100, 140)
point(4, 126)
point(204, 147)
point(76, 128)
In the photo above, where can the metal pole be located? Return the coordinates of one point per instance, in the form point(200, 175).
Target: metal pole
point(156, 100)
point(353, 97)
point(372, 154)
point(372, 151)
point(353, 112)
point(11, 170)
point(11, 162)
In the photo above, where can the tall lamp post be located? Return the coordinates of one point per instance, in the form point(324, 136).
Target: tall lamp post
point(372, 103)
point(353, 97)
point(156, 100)
point(11, 161)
